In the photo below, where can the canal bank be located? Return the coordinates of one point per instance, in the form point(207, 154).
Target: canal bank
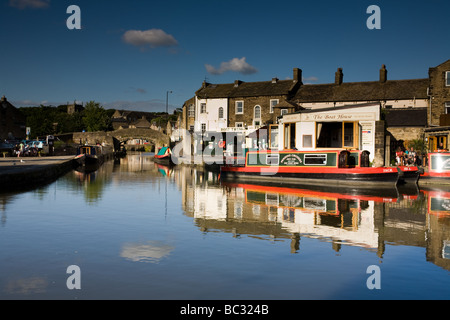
point(26, 173)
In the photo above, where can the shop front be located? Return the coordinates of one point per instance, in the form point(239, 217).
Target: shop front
point(347, 127)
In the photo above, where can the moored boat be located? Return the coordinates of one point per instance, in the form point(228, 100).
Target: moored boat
point(319, 167)
point(164, 157)
point(438, 170)
point(89, 157)
point(408, 174)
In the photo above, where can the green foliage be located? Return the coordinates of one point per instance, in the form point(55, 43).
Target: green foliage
point(45, 120)
point(419, 145)
point(96, 118)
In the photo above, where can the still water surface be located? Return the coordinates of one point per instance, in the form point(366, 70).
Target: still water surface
point(139, 231)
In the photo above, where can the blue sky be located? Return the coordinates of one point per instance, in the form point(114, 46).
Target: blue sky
point(128, 54)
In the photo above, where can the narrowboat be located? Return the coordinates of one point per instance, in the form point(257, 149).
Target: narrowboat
point(164, 157)
point(438, 201)
point(89, 157)
point(438, 170)
point(324, 167)
point(408, 174)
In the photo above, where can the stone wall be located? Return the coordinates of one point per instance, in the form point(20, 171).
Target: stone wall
point(440, 92)
point(379, 144)
point(249, 110)
point(111, 138)
point(406, 133)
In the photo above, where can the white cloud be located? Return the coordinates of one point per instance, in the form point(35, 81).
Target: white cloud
point(311, 79)
point(24, 4)
point(236, 65)
point(153, 38)
point(154, 105)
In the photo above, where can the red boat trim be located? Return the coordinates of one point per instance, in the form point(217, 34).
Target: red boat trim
point(328, 170)
point(311, 193)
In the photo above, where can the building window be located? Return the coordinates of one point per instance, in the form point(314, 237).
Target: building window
point(257, 116)
point(447, 78)
point(239, 125)
point(203, 108)
point(220, 113)
point(239, 107)
point(203, 127)
point(447, 108)
point(273, 103)
point(284, 111)
point(191, 128)
point(191, 112)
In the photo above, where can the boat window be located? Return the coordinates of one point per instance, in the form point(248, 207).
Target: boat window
point(348, 134)
point(315, 159)
point(272, 159)
point(329, 135)
point(289, 136)
point(315, 204)
point(307, 141)
point(274, 136)
point(272, 199)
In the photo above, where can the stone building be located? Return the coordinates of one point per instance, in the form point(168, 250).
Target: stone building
point(74, 108)
point(439, 90)
point(12, 121)
point(438, 133)
point(123, 119)
point(410, 108)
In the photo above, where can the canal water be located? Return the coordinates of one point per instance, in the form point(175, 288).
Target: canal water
point(137, 230)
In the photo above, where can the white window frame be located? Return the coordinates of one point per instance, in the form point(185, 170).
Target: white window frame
point(221, 113)
point(272, 104)
point(257, 119)
point(447, 107)
point(191, 111)
point(236, 105)
point(239, 123)
point(203, 127)
point(284, 111)
point(203, 107)
point(447, 78)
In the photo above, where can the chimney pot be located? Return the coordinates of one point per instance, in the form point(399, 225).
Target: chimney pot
point(274, 80)
point(297, 75)
point(4, 99)
point(383, 74)
point(339, 77)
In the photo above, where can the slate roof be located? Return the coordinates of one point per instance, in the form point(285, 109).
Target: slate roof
point(363, 91)
point(246, 89)
point(411, 117)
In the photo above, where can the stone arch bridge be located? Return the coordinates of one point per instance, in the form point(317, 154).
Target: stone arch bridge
point(122, 136)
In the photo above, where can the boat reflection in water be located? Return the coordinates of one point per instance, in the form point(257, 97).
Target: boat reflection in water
point(320, 213)
point(362, 218)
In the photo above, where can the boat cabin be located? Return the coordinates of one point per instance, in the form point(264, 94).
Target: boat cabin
point(347, 127)
point(89, 150)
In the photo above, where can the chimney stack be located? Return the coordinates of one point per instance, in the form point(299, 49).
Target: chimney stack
point(3, 99)
point(339, 77)
point(237, 83)
point(297, 75)
point(383, 74)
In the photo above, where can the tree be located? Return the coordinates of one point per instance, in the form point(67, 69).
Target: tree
point(96, 118)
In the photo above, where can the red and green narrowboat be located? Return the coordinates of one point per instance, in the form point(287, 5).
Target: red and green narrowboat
point(327, 167)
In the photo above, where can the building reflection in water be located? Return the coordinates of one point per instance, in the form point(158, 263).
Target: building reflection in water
point(369, 220)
